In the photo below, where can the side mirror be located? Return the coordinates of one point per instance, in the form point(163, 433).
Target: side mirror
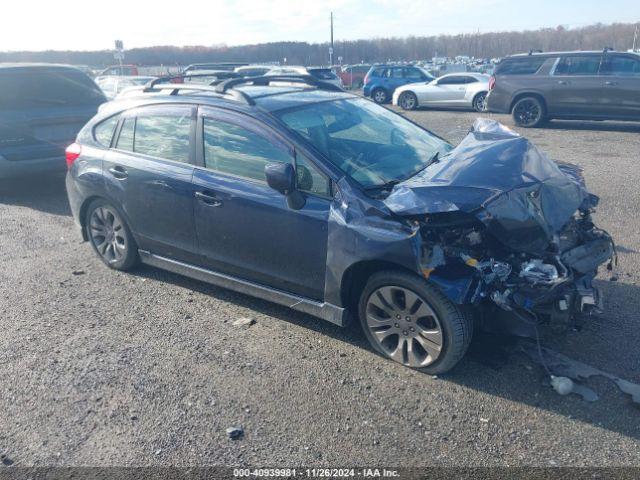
point(282, 178)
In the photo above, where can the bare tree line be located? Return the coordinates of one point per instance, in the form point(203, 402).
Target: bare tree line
point(482, 45)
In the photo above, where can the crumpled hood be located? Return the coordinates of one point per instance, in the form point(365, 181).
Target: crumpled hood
point(522, 196)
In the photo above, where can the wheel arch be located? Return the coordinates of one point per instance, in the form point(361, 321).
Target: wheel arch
point(355, 278)
point(83, 214)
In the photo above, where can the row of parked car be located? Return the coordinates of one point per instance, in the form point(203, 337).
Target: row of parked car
point(42, 107)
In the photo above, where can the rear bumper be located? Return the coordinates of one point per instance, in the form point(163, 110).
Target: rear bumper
point(497, 103)
point(23, 168)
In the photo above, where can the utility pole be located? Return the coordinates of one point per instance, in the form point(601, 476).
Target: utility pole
point(331, 46)
point(635, 40)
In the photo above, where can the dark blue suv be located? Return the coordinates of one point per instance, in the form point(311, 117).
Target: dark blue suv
point(327, 203)
point(382, 80)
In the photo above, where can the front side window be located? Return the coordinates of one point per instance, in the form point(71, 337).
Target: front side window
point(235, 150)
point(455, 80)
point(367, 142)
point(309, 179)
point(620, 66)
point(578, 65)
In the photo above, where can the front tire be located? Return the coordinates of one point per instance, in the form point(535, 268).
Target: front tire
point(408, 101)
point(480, 102)
point(410, 321)
point(529, 112)
point(379, 95)
point(110, 236)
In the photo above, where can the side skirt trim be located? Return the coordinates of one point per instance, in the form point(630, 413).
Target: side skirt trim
point(325, 311)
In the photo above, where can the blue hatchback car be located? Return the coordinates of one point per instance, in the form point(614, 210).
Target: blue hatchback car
point(382, 80)
point(323, 201)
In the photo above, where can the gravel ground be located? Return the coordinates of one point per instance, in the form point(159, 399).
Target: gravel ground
point(147, 368)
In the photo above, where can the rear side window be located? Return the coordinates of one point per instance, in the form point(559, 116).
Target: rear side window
point(395, 73)
point(235, 150)
point(162, 135)
point(378, 72)
point(37, 87)
point(103, 132)
point(578, 65)
point(520, 66)
point(620, 66)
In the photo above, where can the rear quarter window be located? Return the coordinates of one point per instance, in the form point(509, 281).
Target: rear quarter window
point(520, 66)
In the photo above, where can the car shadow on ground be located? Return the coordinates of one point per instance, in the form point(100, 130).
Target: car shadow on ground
point(45, 194)
point(605, 126)
point(494, 365)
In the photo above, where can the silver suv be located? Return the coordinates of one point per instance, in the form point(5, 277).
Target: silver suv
point(536, 87)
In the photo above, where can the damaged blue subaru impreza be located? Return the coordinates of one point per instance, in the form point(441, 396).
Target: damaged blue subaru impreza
point(291, 190)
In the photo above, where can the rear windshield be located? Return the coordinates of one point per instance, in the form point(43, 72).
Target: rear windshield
point(520, 66)
point(28, 88)
point(322, 73)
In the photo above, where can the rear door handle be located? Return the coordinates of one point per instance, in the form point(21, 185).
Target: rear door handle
point(208, 198)
point(118, 172)
point(611, 84)
point(563, 82)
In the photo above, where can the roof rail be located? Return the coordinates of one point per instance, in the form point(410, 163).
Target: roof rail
point(153, 86)
point(607, 49)
point(227, 85)
point(532, 51)
point(181, 76)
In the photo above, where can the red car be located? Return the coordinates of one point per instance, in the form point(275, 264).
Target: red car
point(120, 70)
point(352, 76)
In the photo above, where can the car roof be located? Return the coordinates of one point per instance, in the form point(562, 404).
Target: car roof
point(570, 52)
point(266, 98)
point(37, 65)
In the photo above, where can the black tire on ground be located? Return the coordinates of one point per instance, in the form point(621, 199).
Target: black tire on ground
point(529, 112)
point(408, 101)
point(455, 323)
point(379, 95)
point(110, 236)
point(480, 102)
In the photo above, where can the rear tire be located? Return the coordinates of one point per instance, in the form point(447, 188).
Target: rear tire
point(410, 321)
point(110, 236)
point(408, 101)
point(379, 95)
point(480, 102)
point(529, 112)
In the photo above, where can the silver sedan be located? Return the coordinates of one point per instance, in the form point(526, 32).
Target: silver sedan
point(455, 90)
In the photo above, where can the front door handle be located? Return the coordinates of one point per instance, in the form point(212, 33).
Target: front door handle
point(208, 199)
point(610, 84)
point(563, 82)
point(118, 172)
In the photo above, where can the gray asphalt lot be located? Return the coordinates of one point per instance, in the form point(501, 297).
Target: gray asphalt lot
point(146, 368)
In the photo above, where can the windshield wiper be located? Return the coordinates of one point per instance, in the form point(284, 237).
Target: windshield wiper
point(434, 159)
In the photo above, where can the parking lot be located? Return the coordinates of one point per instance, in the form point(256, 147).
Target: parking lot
point(110, 368)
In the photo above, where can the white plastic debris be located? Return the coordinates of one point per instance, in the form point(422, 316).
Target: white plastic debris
point(562, 385)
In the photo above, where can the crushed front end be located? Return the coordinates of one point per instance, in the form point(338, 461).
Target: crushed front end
point(505, 228)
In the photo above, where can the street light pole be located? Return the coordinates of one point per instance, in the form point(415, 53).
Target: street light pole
point(331, 46)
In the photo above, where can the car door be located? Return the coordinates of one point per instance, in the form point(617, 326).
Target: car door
point(620, 76)
point(577, 86)
point(245, 228)
point(450, 90)
point(148, 173)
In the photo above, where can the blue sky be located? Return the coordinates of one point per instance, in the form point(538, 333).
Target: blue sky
point(87, 25)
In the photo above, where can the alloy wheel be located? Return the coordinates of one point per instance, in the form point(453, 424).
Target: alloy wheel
point(527, 112)
point(107, 234)
point(408, 101)
point(379, 96)
point(404, 326)
point(480, 103)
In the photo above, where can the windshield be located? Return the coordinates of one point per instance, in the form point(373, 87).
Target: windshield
point(371, 144)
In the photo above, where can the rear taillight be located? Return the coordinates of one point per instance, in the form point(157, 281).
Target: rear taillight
point(492, 82)
point(366, 79)
point(72, 153)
